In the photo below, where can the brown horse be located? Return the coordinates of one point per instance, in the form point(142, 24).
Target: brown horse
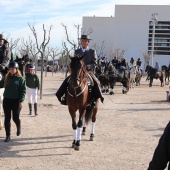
point(78, 98)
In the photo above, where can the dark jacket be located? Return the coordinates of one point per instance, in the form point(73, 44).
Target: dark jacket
point(5, 56)
point(162, 152)
point(32, 81)
point(90, 58)
point(15, 89)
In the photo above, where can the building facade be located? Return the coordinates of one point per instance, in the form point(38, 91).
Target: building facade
point(132, 30)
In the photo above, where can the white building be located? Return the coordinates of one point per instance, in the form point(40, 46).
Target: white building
point(131, 29)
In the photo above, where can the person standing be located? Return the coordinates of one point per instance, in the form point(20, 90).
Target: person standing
point(33, 85)
point(14, 95)
point(6, 43)
point(90, 61)
point(5, 56)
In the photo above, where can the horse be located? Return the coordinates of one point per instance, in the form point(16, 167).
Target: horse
point(100, 72)
point(23, 63)
point(167, 74)
point(153, 73)
point(1, 98)
point(78, 99)
point(138, 75)
point(118, 75)
point(132, 71)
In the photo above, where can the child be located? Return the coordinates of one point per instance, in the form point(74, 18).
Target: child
point(14, 95)
point(32, 83)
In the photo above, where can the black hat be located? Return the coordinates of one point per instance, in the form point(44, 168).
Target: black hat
point(1, 37)
point(5, 41)
point(13, 64)
point(85, 37)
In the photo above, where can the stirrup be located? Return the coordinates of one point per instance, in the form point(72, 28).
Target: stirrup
point(63, 101)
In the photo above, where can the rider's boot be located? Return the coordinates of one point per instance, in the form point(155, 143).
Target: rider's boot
point(61, 91)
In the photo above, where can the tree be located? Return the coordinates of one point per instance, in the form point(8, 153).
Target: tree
point(146, 57)
point(54, 53)
point(41, 48)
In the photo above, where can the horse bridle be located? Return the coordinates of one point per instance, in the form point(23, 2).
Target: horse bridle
point(79, 85)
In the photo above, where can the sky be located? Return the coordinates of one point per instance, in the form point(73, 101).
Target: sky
point(16, 14)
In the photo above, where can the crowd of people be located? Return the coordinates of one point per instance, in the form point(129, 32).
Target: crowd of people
point(16, 86)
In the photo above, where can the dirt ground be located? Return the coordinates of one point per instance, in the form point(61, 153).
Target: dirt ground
point(127, 130)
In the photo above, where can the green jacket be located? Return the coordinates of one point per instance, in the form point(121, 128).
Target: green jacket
point(15, 89)
point(32, 81)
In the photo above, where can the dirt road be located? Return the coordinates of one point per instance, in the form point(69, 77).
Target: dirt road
point(127, 131)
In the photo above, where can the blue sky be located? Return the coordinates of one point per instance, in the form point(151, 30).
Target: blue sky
point(15, 15)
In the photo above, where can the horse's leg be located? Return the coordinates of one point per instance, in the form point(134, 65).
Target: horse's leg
point(94, 120)
point(79, 130)
point(1, 124)
point(84, 126)
point(151, 81)
point(74, 126)
point(111, 88)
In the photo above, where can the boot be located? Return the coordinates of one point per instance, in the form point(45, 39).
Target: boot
point(61, 91)
point(35, 109)
point(30, 108)
point(8, 130)
point(97, 92)
point(7, 139)
point(18, 128)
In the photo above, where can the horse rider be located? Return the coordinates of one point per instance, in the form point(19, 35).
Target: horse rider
point(90, 61)
point(139, 64)
point(122, 64)
point(5, 56)
point(157, 69)
point(115, 61)
point(132, 62)
point(6, 43)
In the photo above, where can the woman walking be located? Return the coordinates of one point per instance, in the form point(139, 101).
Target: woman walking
point(14, 95)
point(33, 85)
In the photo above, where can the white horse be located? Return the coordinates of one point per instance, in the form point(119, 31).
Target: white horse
point(1, 99)
point(132, 76)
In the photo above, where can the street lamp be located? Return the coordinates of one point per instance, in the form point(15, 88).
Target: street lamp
point(154, 21)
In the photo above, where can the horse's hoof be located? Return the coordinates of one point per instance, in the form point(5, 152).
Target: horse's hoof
point(111, 93)
point(76, 148)
point(73, 145)
point(91, 137)
point(103, 91)
point(107, 90)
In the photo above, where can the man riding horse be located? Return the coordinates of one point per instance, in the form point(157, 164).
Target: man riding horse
point(5, 56)
point(90, 61)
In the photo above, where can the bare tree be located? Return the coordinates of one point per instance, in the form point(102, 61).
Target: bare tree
point(54, 53)
point(72, 43)
point(99, 50)
point(67, 57)
point(118, 53)
point(47, 53)
point(41, 48)
point(146, 57)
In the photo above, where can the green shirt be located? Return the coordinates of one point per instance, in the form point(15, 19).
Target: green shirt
point(15, 89)
point(32, 81)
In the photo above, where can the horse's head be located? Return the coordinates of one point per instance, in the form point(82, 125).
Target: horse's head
point(78, 70)
point(148, 67)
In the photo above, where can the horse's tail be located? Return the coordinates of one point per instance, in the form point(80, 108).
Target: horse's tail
point(88, 113)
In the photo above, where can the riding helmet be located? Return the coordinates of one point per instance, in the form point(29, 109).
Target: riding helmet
point(31, 67)
point(13, 64)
